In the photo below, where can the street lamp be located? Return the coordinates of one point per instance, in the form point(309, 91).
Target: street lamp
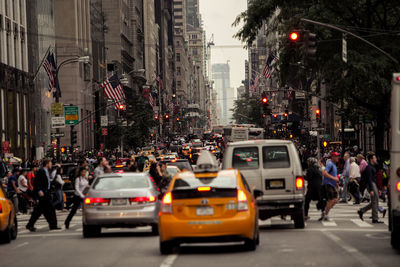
point(83, 59)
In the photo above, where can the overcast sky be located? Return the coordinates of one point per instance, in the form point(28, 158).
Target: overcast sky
point(218, 16)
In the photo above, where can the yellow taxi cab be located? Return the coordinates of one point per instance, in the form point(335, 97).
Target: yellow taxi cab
point(208, 205)
point(8, 219)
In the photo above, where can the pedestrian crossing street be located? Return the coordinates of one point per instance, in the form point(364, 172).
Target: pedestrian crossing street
point(343, 217)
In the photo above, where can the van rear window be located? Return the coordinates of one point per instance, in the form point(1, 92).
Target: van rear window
point(245, 158)
point(275, 157)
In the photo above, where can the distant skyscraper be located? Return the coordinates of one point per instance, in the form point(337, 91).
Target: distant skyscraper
point(225, 94)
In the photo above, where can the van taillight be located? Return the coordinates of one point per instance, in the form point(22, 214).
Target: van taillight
point(398, 186)
point(1, 208)
point(299, 183)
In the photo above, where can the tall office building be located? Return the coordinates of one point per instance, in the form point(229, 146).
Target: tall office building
point(225, 94)
point(15, 82)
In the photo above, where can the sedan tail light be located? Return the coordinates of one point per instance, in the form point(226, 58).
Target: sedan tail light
point(97, 201)
point(242, 200)
point(148, 199)
point(299, 183)
point(166, 203)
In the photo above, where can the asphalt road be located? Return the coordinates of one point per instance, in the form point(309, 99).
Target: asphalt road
point(346, 241)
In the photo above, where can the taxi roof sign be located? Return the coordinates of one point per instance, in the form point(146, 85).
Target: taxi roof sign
point(206, 162)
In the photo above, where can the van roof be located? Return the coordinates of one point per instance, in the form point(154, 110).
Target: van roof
point(262, 142)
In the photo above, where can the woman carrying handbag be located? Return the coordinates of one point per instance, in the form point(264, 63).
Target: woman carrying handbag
point(81, 186)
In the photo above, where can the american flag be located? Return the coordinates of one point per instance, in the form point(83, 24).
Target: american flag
point(160, 82)
point(113, 90)
point(51, 68)
point(254, 85)
point(152, 100)
point(267, 72)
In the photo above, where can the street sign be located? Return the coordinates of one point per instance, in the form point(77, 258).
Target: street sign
point(104, 131)
point(300, 95)
point(57, 109)
point(344, 49)
point(104, 121)
point(57, 135)
point(71, 115)
point(5, 146)
point(57, 122)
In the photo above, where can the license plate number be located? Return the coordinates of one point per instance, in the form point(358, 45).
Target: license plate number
point(204, 211)
point(276, 184)
point(119, 201)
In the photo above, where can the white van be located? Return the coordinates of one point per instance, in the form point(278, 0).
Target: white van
point(273, 167)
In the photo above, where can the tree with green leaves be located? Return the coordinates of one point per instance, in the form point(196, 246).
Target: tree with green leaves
point(363, 83)
point(248, 110)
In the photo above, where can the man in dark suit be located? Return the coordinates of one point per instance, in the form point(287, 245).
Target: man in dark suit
point(42, 193)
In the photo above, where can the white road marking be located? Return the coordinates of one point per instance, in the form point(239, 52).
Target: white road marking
point(21, 245)
point(361, 223)
point(169, 260)
point(41, 226)
point(79, 230)
point(50, 235)
point(329, 223)
point(351, 250)
point(264, 223)
point(23, 231)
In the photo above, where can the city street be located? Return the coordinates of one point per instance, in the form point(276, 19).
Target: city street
point(346, 240)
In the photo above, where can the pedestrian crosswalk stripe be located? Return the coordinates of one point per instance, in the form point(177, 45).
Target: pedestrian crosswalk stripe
point(361, 223)
point(79, 230)
point(329, 223)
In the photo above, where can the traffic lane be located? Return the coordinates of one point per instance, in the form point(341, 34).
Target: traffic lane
point(71, 249)
point(375, 245)
point(278, 247)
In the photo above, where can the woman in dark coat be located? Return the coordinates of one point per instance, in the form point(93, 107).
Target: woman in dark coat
point(314, 180)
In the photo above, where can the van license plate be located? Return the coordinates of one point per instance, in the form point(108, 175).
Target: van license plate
point(204, 211)
point(275, 184)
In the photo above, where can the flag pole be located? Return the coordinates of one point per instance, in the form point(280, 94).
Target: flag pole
point(41, 63)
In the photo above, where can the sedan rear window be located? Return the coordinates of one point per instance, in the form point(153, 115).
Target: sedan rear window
point(275, 157)
point(120, 182)
point(217, 182)
point(245, 158)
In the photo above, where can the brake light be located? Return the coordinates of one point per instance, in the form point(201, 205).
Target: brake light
point(119, 166)
point(1, 208)
point(203, 188)
point(166, 203)
point(97, 201)
point(299, 183)
point(173, 161)
point(242, 200)
point(398, 186)
point(142, 199)
point(120, 171)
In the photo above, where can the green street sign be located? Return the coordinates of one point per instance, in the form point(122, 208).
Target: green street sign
point(71, 114)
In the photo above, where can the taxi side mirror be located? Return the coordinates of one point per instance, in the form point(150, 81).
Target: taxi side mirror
point(257, 193)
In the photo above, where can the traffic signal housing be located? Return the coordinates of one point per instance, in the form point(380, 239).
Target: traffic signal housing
point(309, 46)
point(166, 117)
point(74, 138)
point(318, 115)
point(295, 37)
point(121, 107)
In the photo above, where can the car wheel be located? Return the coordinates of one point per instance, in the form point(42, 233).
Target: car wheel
point(258, 237)
point(299, 219)
point(395, 240)
point(91, 231)
point(5, 236)
point(167, 247)
point(14, 229)
point(154, 229)
point(250, 244)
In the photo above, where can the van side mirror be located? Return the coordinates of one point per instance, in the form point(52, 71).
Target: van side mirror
point(257, 193)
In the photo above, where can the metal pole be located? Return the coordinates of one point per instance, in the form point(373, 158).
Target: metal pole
point(352, 34)
point(318, 145)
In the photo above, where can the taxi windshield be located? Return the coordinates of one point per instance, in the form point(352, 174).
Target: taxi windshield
point(215, 182)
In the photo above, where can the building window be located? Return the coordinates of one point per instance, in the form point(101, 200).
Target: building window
point(178, 57)
point(8, 52)
point(178, 70)
point(3, 114)
point(18, 106)
point(6, 7)
point(14, 10)
point(21, 12)
point(15, 52)
point(179, 84)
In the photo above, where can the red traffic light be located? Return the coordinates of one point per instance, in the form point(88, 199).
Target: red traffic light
point(121, 106)
point(177, 119)
point(317, 111)
point(156, 117)
point(167, 116)
point(285, 114)
point(275, 116)
point(265, 100)
point(398, 78)
point(294, 36)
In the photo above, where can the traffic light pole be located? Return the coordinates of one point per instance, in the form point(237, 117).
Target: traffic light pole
point(352, 34)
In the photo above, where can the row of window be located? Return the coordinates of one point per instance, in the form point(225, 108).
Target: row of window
point(14, 9)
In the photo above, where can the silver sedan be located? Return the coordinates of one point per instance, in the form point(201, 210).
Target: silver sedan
point(120, 200)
